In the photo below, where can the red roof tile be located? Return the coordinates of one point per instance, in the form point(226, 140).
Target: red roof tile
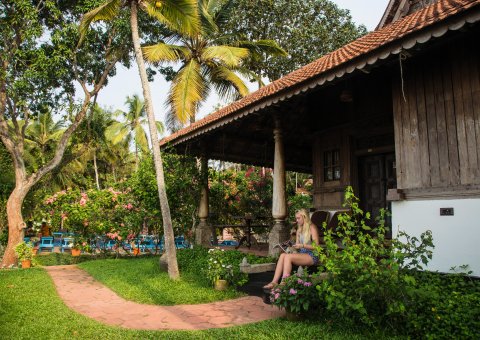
point(427, 16)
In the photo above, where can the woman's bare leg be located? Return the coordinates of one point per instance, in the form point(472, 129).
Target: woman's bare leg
point(295, 259)
point(279, 268)
point(278, 271)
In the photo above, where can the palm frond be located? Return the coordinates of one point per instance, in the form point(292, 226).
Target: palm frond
point(206, 10)
point(165, 52)
point(227, 55)
point(186, 91)
point(106, 11)
point(228, 84)
point(141, 137)
point(179, 15)
point(160, 127)
point(222, 11)
point(266, 46)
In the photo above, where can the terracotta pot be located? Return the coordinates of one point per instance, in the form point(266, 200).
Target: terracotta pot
point(221, 285)
point(75, 252)
point(34, 251)
point(291, 316)
point(26, 263)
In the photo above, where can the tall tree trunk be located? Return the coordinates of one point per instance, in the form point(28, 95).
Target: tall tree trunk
point(15, 222)
point(96, 168)
point(157, 157)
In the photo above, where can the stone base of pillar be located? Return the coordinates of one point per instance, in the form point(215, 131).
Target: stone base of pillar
point(203, 233)
point(278, 234)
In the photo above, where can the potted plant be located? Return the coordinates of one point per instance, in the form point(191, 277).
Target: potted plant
point(24, 254)
point(219, 272)
point(297, 294)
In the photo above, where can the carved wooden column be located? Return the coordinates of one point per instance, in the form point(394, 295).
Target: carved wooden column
point(203, 231)
point(279, 232)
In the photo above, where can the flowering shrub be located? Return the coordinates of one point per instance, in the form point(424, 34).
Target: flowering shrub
point(297, 293)
point(220, 266)
point(217, 267)
point(94, 212)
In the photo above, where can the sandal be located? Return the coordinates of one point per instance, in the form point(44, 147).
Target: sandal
point(270, 285)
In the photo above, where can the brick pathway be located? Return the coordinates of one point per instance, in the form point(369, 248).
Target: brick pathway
point(83, 294)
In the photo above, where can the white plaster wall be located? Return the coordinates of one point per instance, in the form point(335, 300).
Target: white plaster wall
point(456, 238)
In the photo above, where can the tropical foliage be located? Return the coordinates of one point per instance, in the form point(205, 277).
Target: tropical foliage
point(131, 127)
point(306, 29)
point(209, 60)
point(38, 76)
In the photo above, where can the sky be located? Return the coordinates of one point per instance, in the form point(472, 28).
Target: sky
point(127, 82)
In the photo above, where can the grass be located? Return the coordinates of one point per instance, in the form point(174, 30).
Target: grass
point(30, 308)
point(140, 280)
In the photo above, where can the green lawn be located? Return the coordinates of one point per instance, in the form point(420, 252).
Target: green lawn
point(30, 308)
point(140, 280)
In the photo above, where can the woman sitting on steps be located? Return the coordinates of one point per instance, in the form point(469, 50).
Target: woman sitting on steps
point(307, 233)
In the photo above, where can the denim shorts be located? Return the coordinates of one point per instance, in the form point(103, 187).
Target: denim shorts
point(309, 252)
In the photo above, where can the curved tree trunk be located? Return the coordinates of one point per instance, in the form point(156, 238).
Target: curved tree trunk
point(15, 222)
point(157, 157)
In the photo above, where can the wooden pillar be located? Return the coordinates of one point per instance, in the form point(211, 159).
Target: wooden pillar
point(203, 231)
point(279, 232)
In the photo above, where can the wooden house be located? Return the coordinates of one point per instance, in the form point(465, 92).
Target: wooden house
point(395, 114)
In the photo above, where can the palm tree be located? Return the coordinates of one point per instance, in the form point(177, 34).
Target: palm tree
point(42, 136)
point(131, 128)
point(208, 59)
point(182, 15)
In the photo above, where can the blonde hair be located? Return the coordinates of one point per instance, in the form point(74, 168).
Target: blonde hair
point(305, 228)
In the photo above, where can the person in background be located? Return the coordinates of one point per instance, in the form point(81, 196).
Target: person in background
point(307, 233)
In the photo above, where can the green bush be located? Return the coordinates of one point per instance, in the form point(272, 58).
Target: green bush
point(196, 259)
point(444, 306)
point(376, 282)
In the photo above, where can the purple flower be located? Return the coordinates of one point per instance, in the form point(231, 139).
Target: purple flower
point(293, 291)
point(307, 284)
point(300, 281)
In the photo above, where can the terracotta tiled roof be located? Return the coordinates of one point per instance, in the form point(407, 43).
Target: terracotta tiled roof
point(427, 16)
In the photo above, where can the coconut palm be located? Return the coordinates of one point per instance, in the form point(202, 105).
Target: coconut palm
point(181, 15)
point(42, 136)
point(131, 128)
point(208, 60)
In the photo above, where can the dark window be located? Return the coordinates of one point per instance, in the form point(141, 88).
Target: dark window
point(331, 165)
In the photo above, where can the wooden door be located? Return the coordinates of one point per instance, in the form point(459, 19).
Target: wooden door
point(376, 175)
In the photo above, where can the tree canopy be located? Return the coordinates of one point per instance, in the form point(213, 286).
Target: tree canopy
point(306, 29)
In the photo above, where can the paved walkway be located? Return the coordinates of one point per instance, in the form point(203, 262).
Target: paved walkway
point(83, 294)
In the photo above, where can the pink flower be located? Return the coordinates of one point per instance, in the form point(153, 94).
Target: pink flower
point(293, 291)
point(285, 276)
point(307, 284)
point(277, 295)
point(299, 281)
point(83, 201)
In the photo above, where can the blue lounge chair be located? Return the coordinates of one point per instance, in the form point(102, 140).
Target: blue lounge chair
point(66, 244)
point(228, 243)
point(181, 243)
point(57, 239)
point(46, 243)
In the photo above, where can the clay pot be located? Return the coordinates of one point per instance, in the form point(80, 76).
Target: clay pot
point(291, 316)
point(76, 252)
point(221, 285)
point(26, 263)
